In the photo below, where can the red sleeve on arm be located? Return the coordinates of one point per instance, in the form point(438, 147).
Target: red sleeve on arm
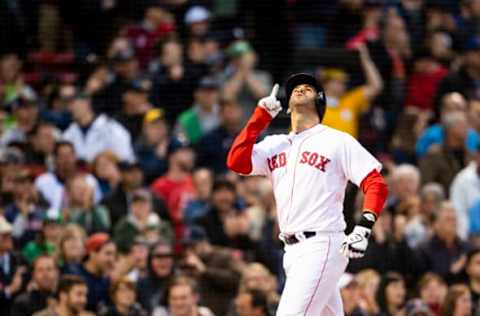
point(375, 190)
point(240, 155)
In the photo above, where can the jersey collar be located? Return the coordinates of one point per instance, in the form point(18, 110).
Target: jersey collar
point(312, 130)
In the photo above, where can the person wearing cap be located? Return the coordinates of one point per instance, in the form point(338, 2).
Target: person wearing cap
point(141, 221)
point(40, 146)
point(25, 114)
point(464, 79)
point(157, 24)
point(416, 307)
point(124, 69)
point(26, 211)
point(51, 184)
point(91, 134)
point(212, 148)
point(11, 268)
point(96, 269)
point(242, 81)
point(155, 144)
point(136, 104)
point(345, 107)
point(203, 116)
point(197, 20)
point(173, 81)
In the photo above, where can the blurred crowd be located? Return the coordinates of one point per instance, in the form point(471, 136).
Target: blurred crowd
point(116, 117)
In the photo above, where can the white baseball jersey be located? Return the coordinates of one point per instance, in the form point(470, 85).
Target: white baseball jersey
point(309, 172)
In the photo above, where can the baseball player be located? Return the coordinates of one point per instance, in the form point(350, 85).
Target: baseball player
point(309, 169)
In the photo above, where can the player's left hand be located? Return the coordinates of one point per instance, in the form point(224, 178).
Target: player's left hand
point(355, 244)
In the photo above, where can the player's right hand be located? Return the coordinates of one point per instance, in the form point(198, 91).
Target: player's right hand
point(355, 244)
point(270, 103)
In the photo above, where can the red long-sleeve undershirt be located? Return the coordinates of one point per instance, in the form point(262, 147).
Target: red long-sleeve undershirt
point(239, 157)
point(375, 192)
point(239, 160)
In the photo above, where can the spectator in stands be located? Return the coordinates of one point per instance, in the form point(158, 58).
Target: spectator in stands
point(465, 193)
point(47, 239)
point(123, 296)
point(151, 288)
point(25, 112)
point(52, 184)
point(42, 286)
point(91, 134)
point(11, 273)
point(124, 70)
point(458, 301)
point(140, 221)
point(368, 282)
point(391, 294)
point(203, 116)
point(197, 20)
point(71, 249)
point(256, 276)
point(40, 146)
point(345, 107)
point(157, 24)
point(350, 294)
point(405, 184)
point(57, 112)
point(135, 106)
point(432, 196)
point(27, 211)
point(82, 210)
point(198, 207)
point(11, 77)
point(182, 298)
point(216, 268)
point(71, 298)
point(432, 290)
point(444, 253)
point(443, 162)
point(213, 147)
point(96, 268)
point(224, 223)
point(176, 186)
point(154, 145)
point(472, 269)
point(106, 171)
point(242, 80)
point(251, 303)
point(173, 83)
point(463, 80)
point(435, 134)
point(416, 307)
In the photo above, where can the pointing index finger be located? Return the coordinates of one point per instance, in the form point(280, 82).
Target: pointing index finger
point(275, 89)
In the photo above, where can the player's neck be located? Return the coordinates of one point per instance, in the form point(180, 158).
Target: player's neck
point(303, 121)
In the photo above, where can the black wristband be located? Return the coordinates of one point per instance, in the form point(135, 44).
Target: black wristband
point(367, 220)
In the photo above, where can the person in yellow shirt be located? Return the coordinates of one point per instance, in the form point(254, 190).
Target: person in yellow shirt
point(345, 107)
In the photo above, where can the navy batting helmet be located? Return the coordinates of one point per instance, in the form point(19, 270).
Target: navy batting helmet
point(303, 78)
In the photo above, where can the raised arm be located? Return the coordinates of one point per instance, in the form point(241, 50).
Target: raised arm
point(241, 153)
point(374, 84)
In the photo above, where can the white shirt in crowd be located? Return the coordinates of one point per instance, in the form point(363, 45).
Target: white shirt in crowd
point(104, 134)
point(464, 193)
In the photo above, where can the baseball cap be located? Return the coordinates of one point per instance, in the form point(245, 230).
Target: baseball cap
point(96, 241)
point(197, 14)
point(12, 155)
point(208, 83)
point(153, 115)
point(53, 216)
point(141, 195)
point(238, 48)
point(5, 227)
point(26, 97)
point(140, 85)
point(416, 307)
point(122, 55)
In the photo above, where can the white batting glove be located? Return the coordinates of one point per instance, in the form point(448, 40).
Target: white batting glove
point(355, 244)
point(270, 103)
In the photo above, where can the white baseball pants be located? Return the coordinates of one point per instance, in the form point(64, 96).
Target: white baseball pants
point(313, 267)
